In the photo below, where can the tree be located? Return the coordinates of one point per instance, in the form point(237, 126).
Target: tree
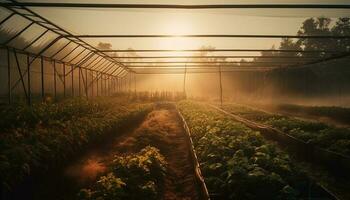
point(342, 28)
point(104, 46)
point(316, 26)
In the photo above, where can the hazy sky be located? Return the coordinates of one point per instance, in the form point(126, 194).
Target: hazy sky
point(156, 21)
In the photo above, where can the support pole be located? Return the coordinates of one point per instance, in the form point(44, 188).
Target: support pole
point(220, 86)
point(79, 74)
point(105, 86)
point(109, 86)
point(28, 82)
point(64, 80)
point(126, 83)
point(21, 75)
point(92, 83)
point(135, 82)
point(129, 91)
point(118, 85)
point(72, 68)
point(86, 85)
point(97, 84)
point(42, 79)
point(101, 84)
point(113, 85)
point(9, 76)
point(54, 80)
point(184, 84)
point(106, 82)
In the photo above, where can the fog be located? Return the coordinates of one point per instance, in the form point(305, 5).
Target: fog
point(255, 87)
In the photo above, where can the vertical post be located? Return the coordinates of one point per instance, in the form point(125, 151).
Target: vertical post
point(101, 85)
point(64, 80)
point(28, 79)
point(92, 83)
point(42, 79)
point(108, 85)
point(54, 80)
point(9, 76)
point(72, 68)
point(96, 83)
point(126, 83)
point(129, 91)
point(135, 83)
point(79, 87)
point(122, 84)
point(114, 85)
point(86, 84)
point(105, 86)
point(220, 86)
point(184, 84)
point(118, 88)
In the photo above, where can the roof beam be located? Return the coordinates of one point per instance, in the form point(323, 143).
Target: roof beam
point(222, 50)
point(179, 6)
point(217, 62)
point(215, 36)
point(184, 57)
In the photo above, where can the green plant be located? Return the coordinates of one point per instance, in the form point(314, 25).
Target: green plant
point(47, 134)
point(238, 163)
point(316, 133)
point(134, 176)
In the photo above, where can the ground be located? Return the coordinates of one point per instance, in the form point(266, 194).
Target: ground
point(162, 129)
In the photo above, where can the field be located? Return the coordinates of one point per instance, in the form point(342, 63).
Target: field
point(239, 163)
point(136, 148)
point(174, 100)
point(323, 135)
point(333, 114)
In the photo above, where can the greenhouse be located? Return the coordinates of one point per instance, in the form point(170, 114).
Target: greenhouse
point(168, 100)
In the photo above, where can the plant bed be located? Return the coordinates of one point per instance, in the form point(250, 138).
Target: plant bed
point(46, 135)
point(126, 159)
point(319, 134)
point(239, 163)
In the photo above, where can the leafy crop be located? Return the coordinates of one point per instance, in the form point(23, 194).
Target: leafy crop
point(320, 134)
point(238, 163)
point(134, 176)
point(43, 135)
point(336, 113)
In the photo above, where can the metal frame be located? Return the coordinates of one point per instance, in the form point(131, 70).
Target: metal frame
point(111, 72)
point(179, 6)
point(49, 27)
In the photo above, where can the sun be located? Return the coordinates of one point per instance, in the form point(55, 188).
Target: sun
point(178, 26)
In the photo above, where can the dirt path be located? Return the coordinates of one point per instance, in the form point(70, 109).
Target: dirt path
point(162, 129)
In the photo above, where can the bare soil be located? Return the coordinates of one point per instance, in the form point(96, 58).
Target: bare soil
point(162, 129)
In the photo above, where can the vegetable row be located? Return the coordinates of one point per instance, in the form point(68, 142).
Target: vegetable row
point(238, 163)
point(134, 176)
point(46, 134)
point(320, 134)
